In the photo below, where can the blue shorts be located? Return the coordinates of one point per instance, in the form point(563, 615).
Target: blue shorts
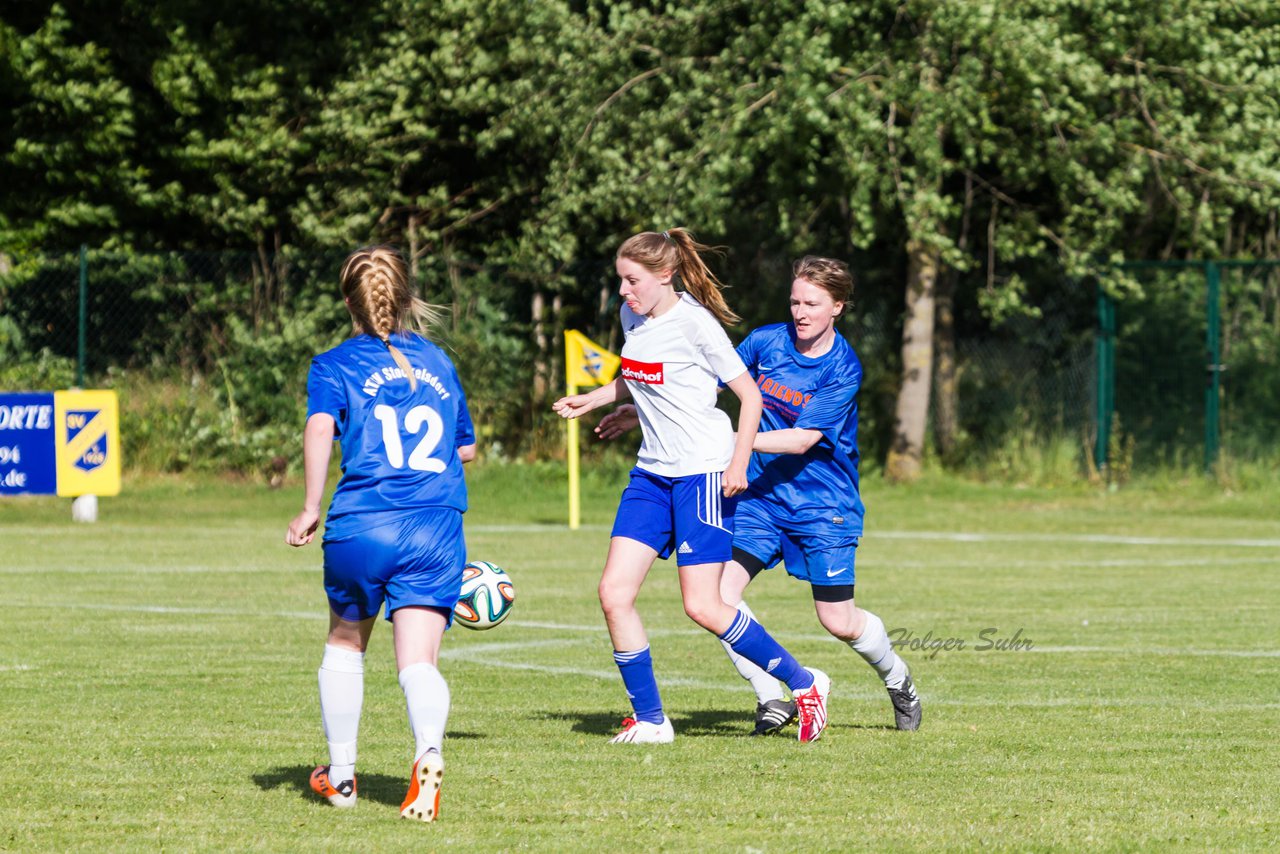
point(823, 561)
point(687, 516)
point(416, 560)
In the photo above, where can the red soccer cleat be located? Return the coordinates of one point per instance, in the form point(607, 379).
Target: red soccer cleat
point(811, 706)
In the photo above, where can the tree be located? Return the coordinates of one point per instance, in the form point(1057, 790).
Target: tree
point(69, 151)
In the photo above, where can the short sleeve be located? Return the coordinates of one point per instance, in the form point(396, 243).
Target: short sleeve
point(829, 407)
point(325, 393)
point(749, 352)
point(713, 343)
point(464, 430)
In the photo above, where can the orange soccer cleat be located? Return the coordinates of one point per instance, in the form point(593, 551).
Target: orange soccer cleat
point(343, 795)
point(423, 800)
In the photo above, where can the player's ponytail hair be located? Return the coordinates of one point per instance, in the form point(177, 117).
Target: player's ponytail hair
point(677, 251)
point(375, 285)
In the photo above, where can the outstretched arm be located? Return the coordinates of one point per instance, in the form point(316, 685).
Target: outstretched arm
point(792, 440)
point(576, 405)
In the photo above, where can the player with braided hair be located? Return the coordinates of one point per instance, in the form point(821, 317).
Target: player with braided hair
point(393, 533)
point(691, 466)
point(378, 297)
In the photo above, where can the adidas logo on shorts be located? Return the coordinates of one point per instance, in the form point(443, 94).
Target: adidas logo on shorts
point(685, 549)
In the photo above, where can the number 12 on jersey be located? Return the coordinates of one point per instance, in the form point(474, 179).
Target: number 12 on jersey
point(415, 420)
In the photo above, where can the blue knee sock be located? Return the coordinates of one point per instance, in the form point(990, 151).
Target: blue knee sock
point(749, 640)
point(637, 675)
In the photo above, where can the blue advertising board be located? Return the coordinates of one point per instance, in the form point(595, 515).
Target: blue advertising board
point(59, 443)
point(28, 449)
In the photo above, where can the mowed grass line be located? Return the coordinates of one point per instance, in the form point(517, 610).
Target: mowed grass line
point(158, 684)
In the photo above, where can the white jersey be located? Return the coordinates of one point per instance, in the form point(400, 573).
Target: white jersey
point(673, 365)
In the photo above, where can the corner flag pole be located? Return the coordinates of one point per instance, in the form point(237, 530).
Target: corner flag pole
point(575, 506)
point(586, 363)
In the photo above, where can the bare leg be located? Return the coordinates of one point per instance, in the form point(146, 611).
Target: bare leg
point(625, 570)
point(418, 632)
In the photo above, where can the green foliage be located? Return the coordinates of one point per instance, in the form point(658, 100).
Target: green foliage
point(259, 391)
point(40, 371)
point(1120, 446)
point(1024, 457)
point(492, 361)
point(529, 135)
point(11, 339)
point(68, 148)
point(241, 411)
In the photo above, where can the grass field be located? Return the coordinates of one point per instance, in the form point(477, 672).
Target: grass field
point(158, 670)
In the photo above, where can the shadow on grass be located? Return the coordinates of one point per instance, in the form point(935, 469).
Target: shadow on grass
point(715, 723)
point(381, 788)
point(590, 724)
point(708, 722)
point(740, 722)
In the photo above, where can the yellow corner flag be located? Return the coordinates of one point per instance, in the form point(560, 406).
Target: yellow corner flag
point(586, 363)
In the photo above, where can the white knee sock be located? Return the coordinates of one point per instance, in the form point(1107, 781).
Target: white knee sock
point(341, 697)
point(766, 687)
point(426, 696)
point(874, 646)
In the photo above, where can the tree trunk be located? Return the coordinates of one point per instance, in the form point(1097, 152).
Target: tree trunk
point(461, 306)
point(946, 404)
point(906, 453)
point(541, 372)
point(412, 233)
point(946, 401)
point(608, 320)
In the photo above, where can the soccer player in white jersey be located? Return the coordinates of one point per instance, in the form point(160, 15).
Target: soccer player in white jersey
point(803, 506)
point(682, 492)
point(393, 533)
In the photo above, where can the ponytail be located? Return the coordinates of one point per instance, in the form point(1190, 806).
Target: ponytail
point(677, 251)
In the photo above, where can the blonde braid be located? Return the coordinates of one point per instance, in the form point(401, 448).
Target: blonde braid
point(380, 297)
point(375, 285)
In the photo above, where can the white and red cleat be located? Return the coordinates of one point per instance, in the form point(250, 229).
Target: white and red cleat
point(643, 732)
point(811, 706)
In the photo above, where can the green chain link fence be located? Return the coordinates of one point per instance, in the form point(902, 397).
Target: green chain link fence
point(1189, 364)
point(212, 351)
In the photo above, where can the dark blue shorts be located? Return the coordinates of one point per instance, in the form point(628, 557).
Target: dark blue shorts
point(823, 561)
point(686, 516)
point(416, 560)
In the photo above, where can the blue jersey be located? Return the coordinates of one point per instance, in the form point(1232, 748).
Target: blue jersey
point(817, 490)
point(399, 445)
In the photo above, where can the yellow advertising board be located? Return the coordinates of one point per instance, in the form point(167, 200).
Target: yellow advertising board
point(87, 442)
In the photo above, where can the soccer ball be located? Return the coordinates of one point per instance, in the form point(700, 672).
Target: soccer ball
point(487, 596)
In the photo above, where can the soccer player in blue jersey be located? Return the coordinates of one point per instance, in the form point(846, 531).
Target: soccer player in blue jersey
point(803, 506)
point(681, 495)
point(393, 533)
